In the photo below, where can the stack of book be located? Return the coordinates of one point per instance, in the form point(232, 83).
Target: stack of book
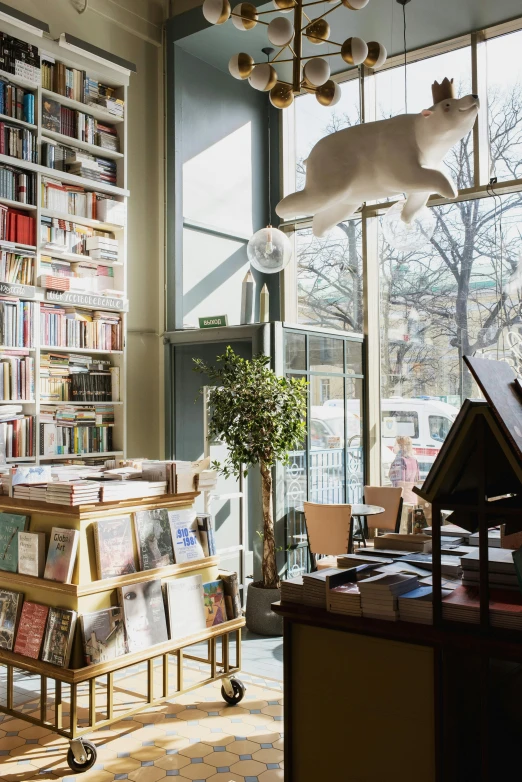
point(102, 248)
point(501, 569)
point(36, 493)
point(417, 605)
point(66, 236)
point(463, 605)
point(77, 378)
point(18, 142)
point(17, 185)
point(56, 76)
point(70, 199)
point(75, 430)
point(16, 375)
point(114, 491)
point(292, 590)
point(73, 327)
point(96, 168)
point(16, 226)
point(107, 137)
point(493, 539)
point(20, 58)
point(17, 435)
point(109, 211)
point(315, 587)
point(16, 102)
point(73, 492)
point(345, 599)
point(17, 322)
point(75, 276)
point(379, 594)
point(17, 268)
point(394, 541)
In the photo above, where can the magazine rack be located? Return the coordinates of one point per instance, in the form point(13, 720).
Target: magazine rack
point(77, 700)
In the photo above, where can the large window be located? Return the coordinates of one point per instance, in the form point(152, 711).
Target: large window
point(457, 294)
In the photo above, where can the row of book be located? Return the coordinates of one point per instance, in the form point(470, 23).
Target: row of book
point(60, 440)
point(20, 58)
point(70, 378)
point(16, 226)
point(75, 276)
point(74, 83)
point(76, 201)
point(62, 235)
point(17, 322)
point(16, 376)
point(17, 185)
point(64, 158)
point(17, 435)
point(16, 268)
point(73, 327)
point(16, 102)
point(149, 613)
point(78, 125)
point(18, 142)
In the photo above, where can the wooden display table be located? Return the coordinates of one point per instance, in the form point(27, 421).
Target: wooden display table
point(90, 693)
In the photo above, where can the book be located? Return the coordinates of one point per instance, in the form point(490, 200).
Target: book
point(206, 534)
point(59, 634)
point(114, 548)
point(144, 614)
point(186, 606)
point(154, 538)
point(392, 540)
point(215, 609)
point(10, 525)
point(463, 605)
point(103, 635)
point(51, 115)
point(185, 535)
point(500, 560)
point(31, 553)
point(61, 555)
point(10, 608)
point(31, 629)
point(232, 596)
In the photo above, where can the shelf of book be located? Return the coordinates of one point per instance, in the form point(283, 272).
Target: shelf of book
point(19, 80)
point(87, 184)
point(77, 257)
point(88, 221)
point(18, 205)
point(90, 455)
point(94, 149)
point(97, 112)
point(17, 246)
point(7, 119)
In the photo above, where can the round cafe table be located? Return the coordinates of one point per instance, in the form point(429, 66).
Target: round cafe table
point(360, 511)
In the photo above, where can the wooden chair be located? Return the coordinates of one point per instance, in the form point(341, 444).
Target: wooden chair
point(389, 498)
point(329, 529)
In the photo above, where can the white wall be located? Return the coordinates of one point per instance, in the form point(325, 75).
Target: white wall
point(132, 29)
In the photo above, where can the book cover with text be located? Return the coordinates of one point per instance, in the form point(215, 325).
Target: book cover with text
point(10, 525)
point(154, 538)
point(61, 556)
point(31, 629)
point(114, 547)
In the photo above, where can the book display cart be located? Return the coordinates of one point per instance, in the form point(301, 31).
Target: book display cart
point(64, 208)
point(77, 700)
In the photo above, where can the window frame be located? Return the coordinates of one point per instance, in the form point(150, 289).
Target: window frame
point(369, 214)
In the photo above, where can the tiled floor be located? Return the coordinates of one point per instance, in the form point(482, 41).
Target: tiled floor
point(262, 656)
point(194, 737)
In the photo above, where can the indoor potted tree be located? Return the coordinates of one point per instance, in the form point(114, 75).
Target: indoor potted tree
point(260, 417)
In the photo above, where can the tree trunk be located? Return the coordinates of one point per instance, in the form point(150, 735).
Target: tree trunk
point(270, 575)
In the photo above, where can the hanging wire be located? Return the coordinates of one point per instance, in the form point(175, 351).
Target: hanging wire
point(405, 61)
point(269, 161)
point(499, 277)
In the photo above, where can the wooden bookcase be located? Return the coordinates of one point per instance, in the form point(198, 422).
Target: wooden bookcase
point(117, 76)
point(90, 690)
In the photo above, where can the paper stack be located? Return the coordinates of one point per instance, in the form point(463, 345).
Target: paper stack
point(417, 605)
point(345, 599)
point(379, 594)
point(396, 541)
point(501, 569)
point(493, 539)
point(73, 492)
point(114, 491)
point(292, 590)
point(314, 587)
point(463, 605)
point(36, 493)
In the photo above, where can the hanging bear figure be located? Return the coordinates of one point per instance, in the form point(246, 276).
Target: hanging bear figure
point(378, 160)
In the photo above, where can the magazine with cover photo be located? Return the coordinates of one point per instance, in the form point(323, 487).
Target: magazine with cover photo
point(10, 608)
point(154, 538)
point(114, 547)
point(103, 635)
point(215, 608)
point(144, 614)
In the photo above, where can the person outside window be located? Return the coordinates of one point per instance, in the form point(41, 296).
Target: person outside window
point(404, 470)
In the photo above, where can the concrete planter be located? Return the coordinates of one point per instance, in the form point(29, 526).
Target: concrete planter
point(260, 618)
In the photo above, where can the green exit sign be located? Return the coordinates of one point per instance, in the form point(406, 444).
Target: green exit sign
point(213, 322)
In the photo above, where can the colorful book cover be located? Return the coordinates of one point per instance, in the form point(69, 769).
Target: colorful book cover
point(103, 635)
point(232, 596)
point(144, 614)
point(215, 609)
point(61, 555)
point(51, 115)
point(58, 636)
point(185, 536)
point(10, 525)
point(10, 607)
point(31, 629)
point(114, 547)
point(154, 538)
point(185, 600)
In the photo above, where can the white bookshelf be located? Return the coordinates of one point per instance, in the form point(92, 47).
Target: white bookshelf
point(112, 74)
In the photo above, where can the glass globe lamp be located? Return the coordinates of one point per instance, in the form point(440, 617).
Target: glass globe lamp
point(269, 250)
point(408, 236)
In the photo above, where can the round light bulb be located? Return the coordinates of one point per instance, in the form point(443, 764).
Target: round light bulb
point(284, 6)
point(354, 51)
point(355, 5)
point(408, 236)
point(241, 65)
point(216, 11)
point(263, 77)
point(316, 71)
point(318, 31)
point(281, 96)
point(329, 93)
point(280, 31)
point(377, 55)
point(269, 250)
point(244, 16)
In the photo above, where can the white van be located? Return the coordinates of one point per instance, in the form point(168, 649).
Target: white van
point(426, 421)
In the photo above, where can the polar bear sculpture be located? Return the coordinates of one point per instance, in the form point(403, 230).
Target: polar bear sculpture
point(381, 159)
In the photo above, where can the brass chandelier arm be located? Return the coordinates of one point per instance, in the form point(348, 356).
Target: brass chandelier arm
point(298, 43)
point(249, 19)
point(307, 17)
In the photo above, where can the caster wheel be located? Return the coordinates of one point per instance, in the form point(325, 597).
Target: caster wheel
point(90, 758)
point(239, 693)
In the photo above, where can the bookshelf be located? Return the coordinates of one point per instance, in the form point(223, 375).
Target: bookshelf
point(49, 260)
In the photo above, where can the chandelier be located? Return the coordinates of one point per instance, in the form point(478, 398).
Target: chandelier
point(309, 74)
